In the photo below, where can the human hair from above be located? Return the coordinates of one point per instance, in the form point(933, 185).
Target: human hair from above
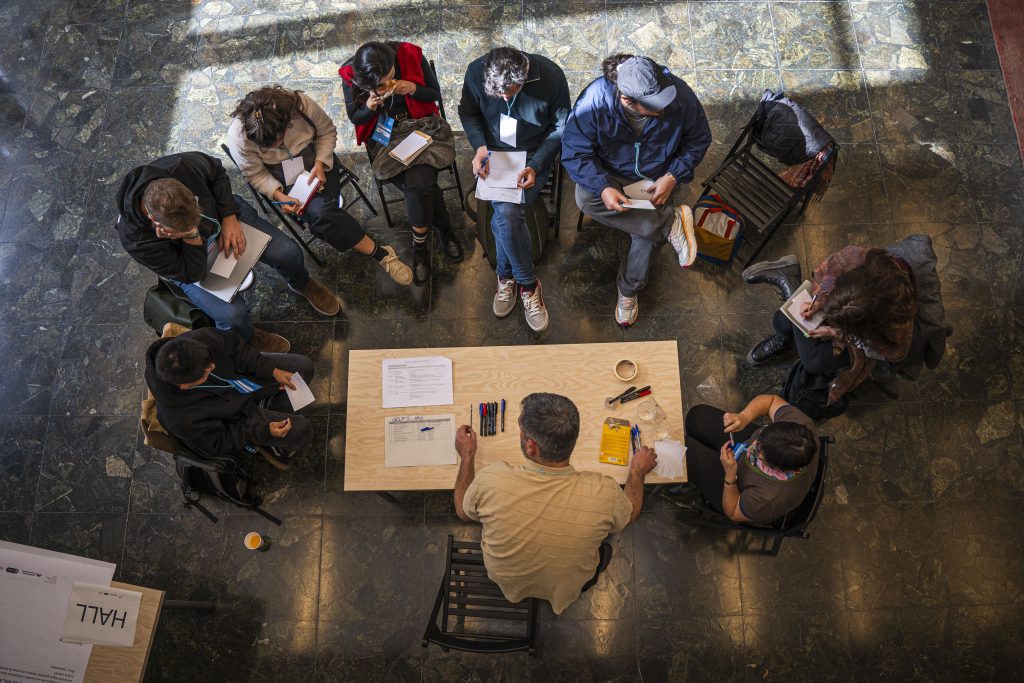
point(873, 300)
point(504, 68)
point(552, 422)
point(266, 113)
point(182, 361)
point(372, 62)
point(787, 446)
point(171, 204)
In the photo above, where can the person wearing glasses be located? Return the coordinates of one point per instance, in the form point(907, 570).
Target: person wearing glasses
point(175, 210)
point(390, 92)
point(636, 133)
point(749, 473)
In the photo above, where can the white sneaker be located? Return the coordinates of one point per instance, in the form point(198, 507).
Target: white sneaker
point(682, 238)
point(505, 297)
point(398, 271)
point(626, 310)
point(536, 312)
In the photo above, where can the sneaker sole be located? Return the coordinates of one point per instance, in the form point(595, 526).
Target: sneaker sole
point(757, 268)
point(537, 329)
point(315, 307)
point(691, 236)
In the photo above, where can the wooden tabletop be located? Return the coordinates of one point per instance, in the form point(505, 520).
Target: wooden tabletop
point(583, 372)
point(127, 664)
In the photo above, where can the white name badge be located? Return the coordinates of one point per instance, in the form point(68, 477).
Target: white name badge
point(292, 169)
point(507, 130)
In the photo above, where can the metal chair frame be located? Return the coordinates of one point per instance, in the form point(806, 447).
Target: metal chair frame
point(292, 223)
point(764, 200)
point(453, 170)
point(793, 525)
point(467, 591)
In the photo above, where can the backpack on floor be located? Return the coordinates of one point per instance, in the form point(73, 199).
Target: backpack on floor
point(166, 303)
point(809, 393)
point(226, 477)
point(537, 220)
point(718, 227)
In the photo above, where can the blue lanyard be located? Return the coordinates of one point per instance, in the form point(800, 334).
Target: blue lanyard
point(214, 386)
point(212, 238)
point(511, 104)
point(636, 161)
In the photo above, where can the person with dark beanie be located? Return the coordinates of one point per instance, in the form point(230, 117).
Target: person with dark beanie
point(391, 91)
point(761, 473)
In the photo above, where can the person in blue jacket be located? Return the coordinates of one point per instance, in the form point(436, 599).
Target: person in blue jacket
point(512, 100)
point(636, 133)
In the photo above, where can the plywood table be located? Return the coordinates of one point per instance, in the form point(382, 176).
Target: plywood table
point(128, 664)
point(583, 372)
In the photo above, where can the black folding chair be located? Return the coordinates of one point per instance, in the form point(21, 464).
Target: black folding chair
point(793, 525)
point(467, 594)
point(294, 223)
point(453, 171)
point(764, 200)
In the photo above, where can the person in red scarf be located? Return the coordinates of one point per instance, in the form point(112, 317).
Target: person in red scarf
point(390, 90)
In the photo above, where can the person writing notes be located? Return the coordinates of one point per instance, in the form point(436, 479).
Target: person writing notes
point(512, 100)
point(634, 134)
point(544, 522)
point(391, 91)
point(275, 136)
point(171, 208)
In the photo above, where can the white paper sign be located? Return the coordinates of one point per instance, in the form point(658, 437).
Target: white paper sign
point(424, 381)
point(292, 169)
point(507, 130)
point(301, 396)
point(419, 440)
point(101, 615)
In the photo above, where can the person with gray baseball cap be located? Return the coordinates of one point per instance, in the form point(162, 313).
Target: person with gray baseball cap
point(633, 136)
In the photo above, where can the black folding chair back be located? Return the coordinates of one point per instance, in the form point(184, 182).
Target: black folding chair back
point(757, 192)
point(793, 525)
point(468, 598)
point(295, 224)
point(453, 172)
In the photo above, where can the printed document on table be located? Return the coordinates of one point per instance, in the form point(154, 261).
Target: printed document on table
point(671, 459)
point(423, 381)
point(419, 440)
point(34, 589)
point(501, 183)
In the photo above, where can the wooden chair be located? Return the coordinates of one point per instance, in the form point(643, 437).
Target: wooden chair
point(756, 191)
point(294, 223)
point(793, 525)
point(467, 593)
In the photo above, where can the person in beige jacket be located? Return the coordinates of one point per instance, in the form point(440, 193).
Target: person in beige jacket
point(277, 133)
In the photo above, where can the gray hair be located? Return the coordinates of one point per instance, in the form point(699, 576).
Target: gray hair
point(504, 67)
point(552, 422)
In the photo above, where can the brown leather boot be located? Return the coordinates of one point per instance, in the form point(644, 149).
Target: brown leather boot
point(268, 342)
point(319, 297)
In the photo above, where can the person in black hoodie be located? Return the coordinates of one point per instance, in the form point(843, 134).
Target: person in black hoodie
point(217, 395)
point(172, 208)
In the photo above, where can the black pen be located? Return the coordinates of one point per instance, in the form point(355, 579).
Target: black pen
point(494, 420)
point(502, 414)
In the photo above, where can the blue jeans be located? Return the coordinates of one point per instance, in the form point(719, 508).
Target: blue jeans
point(511, 236)
point(282, 254)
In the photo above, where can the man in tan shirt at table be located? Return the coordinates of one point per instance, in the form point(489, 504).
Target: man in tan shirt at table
point(545, 523)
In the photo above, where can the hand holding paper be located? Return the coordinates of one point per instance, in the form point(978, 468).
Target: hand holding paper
point(300, 395)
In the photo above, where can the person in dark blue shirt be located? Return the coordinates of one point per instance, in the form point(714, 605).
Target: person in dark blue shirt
point(636, 133)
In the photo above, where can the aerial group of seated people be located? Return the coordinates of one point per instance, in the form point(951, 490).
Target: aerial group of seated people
point(544, 523)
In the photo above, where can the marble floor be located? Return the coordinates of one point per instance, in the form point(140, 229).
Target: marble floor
point(915, 567)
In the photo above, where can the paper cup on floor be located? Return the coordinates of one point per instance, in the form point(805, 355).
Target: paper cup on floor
point(626, 369)
point(255, 541)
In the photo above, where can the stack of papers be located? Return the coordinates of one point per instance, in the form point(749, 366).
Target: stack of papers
point(671, 459)
point(423, 381)
point(791, 309)
point(419, 440)
point(411, 147)
point(304, 189)
point(502, 181)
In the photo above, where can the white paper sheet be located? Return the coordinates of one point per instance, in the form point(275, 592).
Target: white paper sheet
point(419, 440)
point(408, 148)
point(225, 288)
point(791, 309)
point(640, 204)
point(498, 194)
point(301, 396)
point(410, 382)
point(292, 169)
point(503, 169)
point(671, 459)
point(101, 615)
point(34, 589)
point(507, 127)
point(224, 264)
point(636, 190)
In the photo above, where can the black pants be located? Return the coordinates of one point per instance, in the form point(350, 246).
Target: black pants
point(815, 354)
point(326, 220)
point(424, 201)
point(280, 408)
point(605, 557)
point(705, 436)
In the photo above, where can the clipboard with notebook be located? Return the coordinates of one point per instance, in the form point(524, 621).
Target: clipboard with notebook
point(791, 309)
point(225, 273)
point(411, 147)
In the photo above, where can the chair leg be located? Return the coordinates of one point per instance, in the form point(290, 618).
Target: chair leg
point(458, 185)
point(579, 222)
point(776, 545)
point(294, 233)
point(362, 195)
point(558, 199)
point(384, 204)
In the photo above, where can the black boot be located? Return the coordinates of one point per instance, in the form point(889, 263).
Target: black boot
point(783, 273)
point(765, 350)
point(421, 263)
point(449, 244)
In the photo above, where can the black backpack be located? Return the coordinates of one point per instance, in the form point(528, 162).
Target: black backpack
point(226, 477)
